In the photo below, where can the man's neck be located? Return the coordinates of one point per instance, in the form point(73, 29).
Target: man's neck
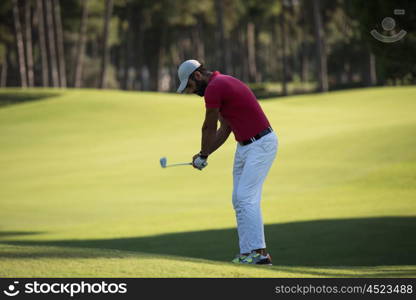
point(209, 75)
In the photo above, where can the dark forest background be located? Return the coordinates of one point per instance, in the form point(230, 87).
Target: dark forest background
point(280, 47)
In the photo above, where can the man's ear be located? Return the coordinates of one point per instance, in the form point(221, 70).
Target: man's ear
point(197, 75)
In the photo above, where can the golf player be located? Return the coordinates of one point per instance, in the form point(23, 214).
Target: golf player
point(233, 104)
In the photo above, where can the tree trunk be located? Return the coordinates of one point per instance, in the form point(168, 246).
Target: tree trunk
point(153, 52)
point(29, 48)
point(51, 43)
point(104, 60)
point(154, 71)
point(371, 72)
point(20, 45)
point(274, 44)
point(3, 75)
point(60, 43)
point(251, 48)
point(219, 36)
point(283, 51)
point(81, 46)
point(174, 57)
point(124, 61)
point(198, 41)
point(304, 48)
point(42, 44)
point(139, 45)
point(161, 85)
point(304, 64)
point(243, 52)
point(118, 51)
point(320, 47)
point(128, 53)
point(223, 49)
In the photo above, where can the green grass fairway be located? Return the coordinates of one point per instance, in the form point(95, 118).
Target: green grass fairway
point(82, 193)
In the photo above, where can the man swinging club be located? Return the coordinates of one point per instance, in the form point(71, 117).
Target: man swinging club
point(231, 102)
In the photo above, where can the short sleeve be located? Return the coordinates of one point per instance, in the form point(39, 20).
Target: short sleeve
point(213, 96)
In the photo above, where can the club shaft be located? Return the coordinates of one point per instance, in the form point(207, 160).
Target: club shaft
point(181, 164)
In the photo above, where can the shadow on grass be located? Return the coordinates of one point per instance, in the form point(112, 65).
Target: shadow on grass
point(7, 99)
point(17, 233)
point(321, 243)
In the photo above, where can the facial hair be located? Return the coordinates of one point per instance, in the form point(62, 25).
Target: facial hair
point(201, 85)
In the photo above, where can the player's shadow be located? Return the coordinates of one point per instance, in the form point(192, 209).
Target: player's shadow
point(10, 98)
point(335, 242)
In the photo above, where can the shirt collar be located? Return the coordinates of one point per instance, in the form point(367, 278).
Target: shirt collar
point(215, 73)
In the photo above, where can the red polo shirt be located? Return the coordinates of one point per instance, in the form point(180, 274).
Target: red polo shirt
point(237, 104)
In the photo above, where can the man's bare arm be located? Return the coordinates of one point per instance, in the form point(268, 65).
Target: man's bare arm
point(222, 134)
point(209, 130)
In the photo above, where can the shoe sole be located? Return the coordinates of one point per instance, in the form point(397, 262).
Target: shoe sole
point(267, 262)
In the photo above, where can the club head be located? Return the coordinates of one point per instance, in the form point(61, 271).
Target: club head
point(163, 162)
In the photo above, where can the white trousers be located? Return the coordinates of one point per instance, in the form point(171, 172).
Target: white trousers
point(251, 166)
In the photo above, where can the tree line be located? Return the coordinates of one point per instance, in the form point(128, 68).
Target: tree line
point(138, 44)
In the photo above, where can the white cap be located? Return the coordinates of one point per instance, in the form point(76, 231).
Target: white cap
point(185, 70)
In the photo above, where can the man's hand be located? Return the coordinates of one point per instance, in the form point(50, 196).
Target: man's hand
point(198, 162)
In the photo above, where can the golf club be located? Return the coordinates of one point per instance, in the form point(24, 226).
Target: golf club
point(164, 163)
